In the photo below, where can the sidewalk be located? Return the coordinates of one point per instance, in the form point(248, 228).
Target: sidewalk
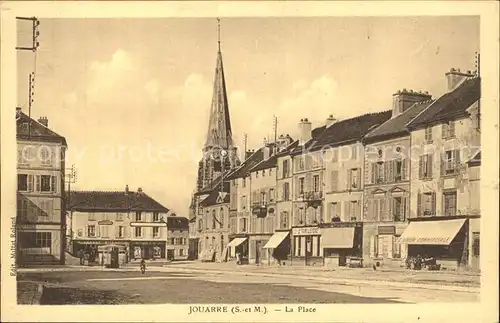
point(466, 279)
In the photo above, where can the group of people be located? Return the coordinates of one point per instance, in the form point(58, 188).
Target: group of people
point(419, 262)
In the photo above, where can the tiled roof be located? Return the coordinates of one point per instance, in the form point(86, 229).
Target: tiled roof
point(113, 201)
point(211, 199)
point(248, 163)
point(272, 161)
point(38, 131)
point(451, 104)
point(350, 130)
point(177, 222)
point(315, 134)
point(396, 126)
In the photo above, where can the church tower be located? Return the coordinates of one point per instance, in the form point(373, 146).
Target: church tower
point(219, 153)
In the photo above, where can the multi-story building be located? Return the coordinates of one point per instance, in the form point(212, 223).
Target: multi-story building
point(40, 223)
point(177, 237)
point(193, 231)
point(445, 211)
point(214, 226)
point(132, 219)
point(387, 180)
point(343, 158)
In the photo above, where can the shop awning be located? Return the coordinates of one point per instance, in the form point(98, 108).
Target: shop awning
point(431, 232)
point(276, 239)
point(236, 242)
point(339, 238)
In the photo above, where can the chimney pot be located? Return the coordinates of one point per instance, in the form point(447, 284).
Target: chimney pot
point(126, 189)
point(306, 120)
point(44, 121)
point(139, 189)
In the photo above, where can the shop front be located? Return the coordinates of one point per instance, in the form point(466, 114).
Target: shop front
point(444, 243)
point(306, 248)
point(278, 247)
point(147, 250)
point(342, 244)
point(238, 247)
point(89, 249)
point(256, 252)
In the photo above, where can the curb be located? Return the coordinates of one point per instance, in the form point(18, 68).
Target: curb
point(347, 281)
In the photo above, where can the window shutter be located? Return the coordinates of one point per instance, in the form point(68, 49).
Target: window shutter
point(429, 165)
point(382, 209)
point(372, 247)
point(390, 173)
point(433, 203)
point(334, 180)
point(308, 185)
point(117, 231)
point(404, 169)
point(403, 208)
point(53, 184)
point(97, 231)
point(457, 158)
point(86, 233)
point(347, 210)
point(375, 210)
point(386, 171)
point(444, 130)
point(373, 173)
point(349, 179)
point(37, 183)
point(451, 130)
point(419, 204)
point(30, 183)
point(390, 208)
point(358, 179)
point(329, 212)
point(19, 156)
point(421, 165)
point(358, 211)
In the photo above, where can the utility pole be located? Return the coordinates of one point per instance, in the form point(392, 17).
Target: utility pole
point(275, 128)
point(34, 46)
point(245, 138)
point(478, 72)
point(71, 177)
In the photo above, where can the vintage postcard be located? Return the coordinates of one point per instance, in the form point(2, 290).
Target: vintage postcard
point(249, 161)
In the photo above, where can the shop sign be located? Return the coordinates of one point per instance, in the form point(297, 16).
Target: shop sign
point(387, 230)
point(428, 240)
point(105, 222)
point(308, 231)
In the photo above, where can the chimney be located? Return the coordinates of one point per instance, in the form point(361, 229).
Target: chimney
point(248, 153)
point(454, 77)
point(44, 121)
point(403, 99)
point(126, 189)
point(139, 190)
point(330, 120)
point(305, 131)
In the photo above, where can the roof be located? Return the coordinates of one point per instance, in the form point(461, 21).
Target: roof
point(272, 161)
point(177, 222)
point(350, 130)
point(450, 105)
point(38, 131)
point(316, 132)
point(113, 202)
point(247, 164)
point(397, 125)
point(215, 183)
point(211, 199)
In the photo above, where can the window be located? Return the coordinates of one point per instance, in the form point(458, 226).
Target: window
point(156, 217)
point(450, 202)
point(286, 168)
point(45, 183)
point(35, 239)
point(426, 204)
point(221, 220)
point(119, 216)
point(271, 195)
point(377, 173)
point(301, 185)
point(353, 175)
point(121, 231)
point(200, 224)
point(22, 182)
point(354, 152)
point(396, 247)
point(316, 183)
point(243, 225)
point(138, 232)
point(451, 162)
point(91, 231)
point(448, 130)
point(22, 209)
point(244, 184)
point(172, 241)
point(243, 202)
point(138, 216)
point(284, 219)
point(104, 231)
point(475, 244)
point(263, 173)
point(178, 241)
point(428, 135)
point(334, 180)
point(425, 166)
point(156, 232)
point(398, 170)
point(256, 174)
point(45, 156)
point(181, 252)
point(399, 208)
point(354, 211)
point(286, 191)
point(213, 219)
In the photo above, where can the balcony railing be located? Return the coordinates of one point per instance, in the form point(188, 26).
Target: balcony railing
point(313, 196)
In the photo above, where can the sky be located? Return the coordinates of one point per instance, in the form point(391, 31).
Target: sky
point(132, 96)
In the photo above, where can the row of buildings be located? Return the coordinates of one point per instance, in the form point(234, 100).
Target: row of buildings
point(53, 224)
point(375, 188)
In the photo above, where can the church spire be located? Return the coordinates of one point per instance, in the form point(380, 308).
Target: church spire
point(219, 133)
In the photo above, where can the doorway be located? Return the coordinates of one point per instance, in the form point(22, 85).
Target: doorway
point(475, 259)
point(308, 253)
point(170, 254)
point(257, 251)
